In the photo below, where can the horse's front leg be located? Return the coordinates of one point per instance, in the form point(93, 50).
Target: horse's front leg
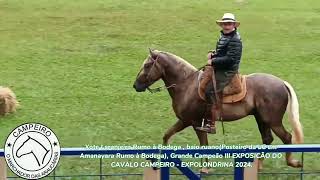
point(203, 139)
point(177, 127)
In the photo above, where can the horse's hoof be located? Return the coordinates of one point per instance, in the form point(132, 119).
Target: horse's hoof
point(295, 164)
point(204, 171)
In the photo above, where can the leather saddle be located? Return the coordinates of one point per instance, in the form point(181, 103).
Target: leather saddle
point(235, 91)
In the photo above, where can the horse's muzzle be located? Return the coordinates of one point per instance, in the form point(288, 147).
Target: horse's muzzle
point(139, 88)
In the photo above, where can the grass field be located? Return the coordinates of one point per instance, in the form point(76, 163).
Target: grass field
point(72, 64)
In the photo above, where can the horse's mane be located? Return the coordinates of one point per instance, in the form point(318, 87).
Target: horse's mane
point(179, 59)
point(187, 67)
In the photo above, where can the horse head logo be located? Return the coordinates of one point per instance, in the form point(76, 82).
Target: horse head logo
point(32, 151)
point(33, 148)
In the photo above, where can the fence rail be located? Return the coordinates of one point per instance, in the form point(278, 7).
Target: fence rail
point(165, 171)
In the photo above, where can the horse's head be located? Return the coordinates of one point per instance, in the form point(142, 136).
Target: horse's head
point(151, 71)
point(24, 148)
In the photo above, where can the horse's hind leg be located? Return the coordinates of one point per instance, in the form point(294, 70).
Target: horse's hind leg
point(285, 136)
point(272, 109)
point(266, 135)
point(178, 126)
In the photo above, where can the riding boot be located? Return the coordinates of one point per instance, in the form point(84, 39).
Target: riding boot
point(216, 112)
point(209, 125)
point(210, 115)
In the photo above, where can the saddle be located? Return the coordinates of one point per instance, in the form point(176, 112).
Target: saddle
point(235, 91)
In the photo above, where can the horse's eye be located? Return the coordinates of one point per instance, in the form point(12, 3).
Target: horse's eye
point(147, 65)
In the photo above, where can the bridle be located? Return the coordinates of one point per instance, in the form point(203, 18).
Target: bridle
point(160, 88)
point(154, 65)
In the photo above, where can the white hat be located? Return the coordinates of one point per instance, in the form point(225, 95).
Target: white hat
point(228, 17)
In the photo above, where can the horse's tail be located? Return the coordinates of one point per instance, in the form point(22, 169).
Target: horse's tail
point(8, 101)
point(293, 113)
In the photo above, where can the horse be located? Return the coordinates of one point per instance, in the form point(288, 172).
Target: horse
point(35, 148)
point(8, 101)
point(268, 98)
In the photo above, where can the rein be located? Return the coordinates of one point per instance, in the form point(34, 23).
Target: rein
point(160, 88)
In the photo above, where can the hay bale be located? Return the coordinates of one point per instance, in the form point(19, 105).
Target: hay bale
point(8, 101)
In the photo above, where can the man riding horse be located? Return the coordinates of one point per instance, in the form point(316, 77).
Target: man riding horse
point(225, 60)
point(267, 97)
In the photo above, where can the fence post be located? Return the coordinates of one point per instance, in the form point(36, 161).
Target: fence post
point(3, 169)
point(100, 169)
point(251, 173)
point(245, 173)
point(151, 174)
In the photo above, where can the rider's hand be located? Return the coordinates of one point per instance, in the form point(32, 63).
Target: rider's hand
point(209, 62)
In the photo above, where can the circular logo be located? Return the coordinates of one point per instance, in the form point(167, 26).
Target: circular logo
point(32, 151)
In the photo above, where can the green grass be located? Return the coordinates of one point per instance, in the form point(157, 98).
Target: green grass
point(72, 65)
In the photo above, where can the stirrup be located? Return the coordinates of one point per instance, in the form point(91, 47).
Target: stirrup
point(207, 128)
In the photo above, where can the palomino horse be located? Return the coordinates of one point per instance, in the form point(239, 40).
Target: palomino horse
point(267, 98)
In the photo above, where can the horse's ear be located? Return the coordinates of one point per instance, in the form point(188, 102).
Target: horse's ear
point(153, 54)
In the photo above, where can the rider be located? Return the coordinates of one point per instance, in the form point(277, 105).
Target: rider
point(225, 60)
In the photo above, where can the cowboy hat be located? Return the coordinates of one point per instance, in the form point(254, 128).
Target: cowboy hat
point(228, 17)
